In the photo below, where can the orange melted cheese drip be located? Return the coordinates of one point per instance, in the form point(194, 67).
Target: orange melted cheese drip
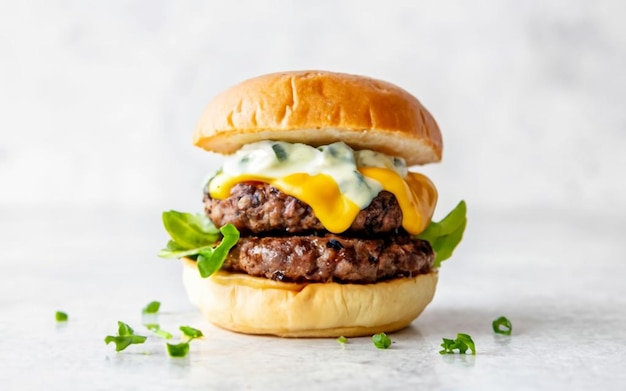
point(415, 194)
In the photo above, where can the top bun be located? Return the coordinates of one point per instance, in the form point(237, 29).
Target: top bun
point(318, 108)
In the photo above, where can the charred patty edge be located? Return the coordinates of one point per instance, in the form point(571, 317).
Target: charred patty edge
point(257, 208)
point(331, 258)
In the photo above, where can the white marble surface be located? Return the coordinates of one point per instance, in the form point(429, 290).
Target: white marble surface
point(559, 279)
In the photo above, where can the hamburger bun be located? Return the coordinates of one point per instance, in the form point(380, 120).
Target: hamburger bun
point(291, 277)
point(318, 108)
point(255, 305)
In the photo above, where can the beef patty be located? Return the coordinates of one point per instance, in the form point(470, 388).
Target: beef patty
point(255, 207)
point(331, 257)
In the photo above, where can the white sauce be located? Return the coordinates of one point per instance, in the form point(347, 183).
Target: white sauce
point(276, 159)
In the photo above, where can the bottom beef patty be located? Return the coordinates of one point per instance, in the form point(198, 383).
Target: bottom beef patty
point(330, 258)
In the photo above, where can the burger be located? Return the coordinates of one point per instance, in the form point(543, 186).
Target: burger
point(314, 226)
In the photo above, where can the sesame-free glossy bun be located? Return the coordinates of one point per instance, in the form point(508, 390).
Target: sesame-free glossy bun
point(254, 305)
point(318, 108)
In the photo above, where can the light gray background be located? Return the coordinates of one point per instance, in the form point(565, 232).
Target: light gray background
point(98, 101)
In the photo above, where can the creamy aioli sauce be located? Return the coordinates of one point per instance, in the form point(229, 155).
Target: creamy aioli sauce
point(278, 159)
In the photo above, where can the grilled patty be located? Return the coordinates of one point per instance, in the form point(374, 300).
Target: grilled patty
point(312, 258)
point(256, 208)
point(283, 240)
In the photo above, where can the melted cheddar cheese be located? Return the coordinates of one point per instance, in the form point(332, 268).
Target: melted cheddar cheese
point(335, 181)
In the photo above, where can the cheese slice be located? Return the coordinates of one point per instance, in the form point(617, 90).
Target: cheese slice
point(416, 195)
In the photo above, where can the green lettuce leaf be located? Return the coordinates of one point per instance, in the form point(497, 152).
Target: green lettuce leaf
point(445, 235)
point(195, 236)
point(190, 230)
point(211, 260)
point(173, 250)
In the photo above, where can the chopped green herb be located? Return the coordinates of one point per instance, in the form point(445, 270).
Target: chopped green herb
point(162, 333)
point(339, 151)
point(122, 343)
point(125, 337)
point(445, 235)
point(61, 316)
point(462, 343)
point(181, 349)
point(152, 307)
point(381, 341)
point(178, 350)
point(158, 331)
point(342, 340)
point(279, 151)
point(502, 326)
point(329, 149)
point(190, 332)
point(123, 329)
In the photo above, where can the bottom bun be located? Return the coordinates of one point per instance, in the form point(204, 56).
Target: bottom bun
point(255, 305)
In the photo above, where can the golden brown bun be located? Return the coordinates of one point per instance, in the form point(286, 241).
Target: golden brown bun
point(254, 305)
point(317, 108)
